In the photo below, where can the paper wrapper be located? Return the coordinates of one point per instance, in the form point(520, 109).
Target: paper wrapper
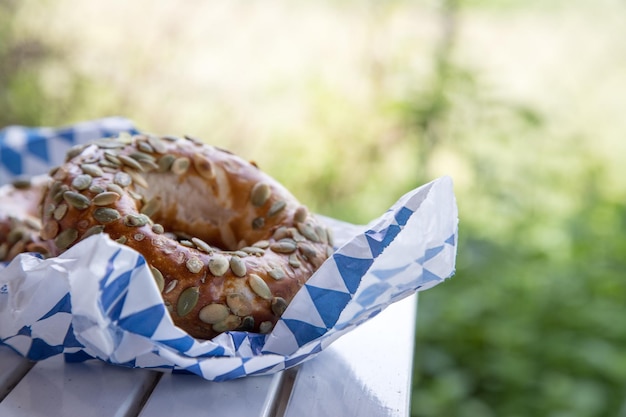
point(99, 300)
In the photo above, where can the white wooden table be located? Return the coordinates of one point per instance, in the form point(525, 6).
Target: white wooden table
point(365, 373)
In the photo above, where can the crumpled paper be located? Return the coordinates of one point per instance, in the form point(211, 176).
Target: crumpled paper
point(99, 300)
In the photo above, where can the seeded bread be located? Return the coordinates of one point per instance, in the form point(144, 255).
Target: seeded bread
point(227, 244)
point(20, 221)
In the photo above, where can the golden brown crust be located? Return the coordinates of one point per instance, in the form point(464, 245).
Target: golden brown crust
point(20, 220)
point(228, 245)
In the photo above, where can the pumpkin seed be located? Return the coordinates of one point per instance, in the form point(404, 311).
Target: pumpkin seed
point(296, 235)
point(21, 183)
point(124, 138)
point(115, 188)
point(300, 215)
point(238, 304)
point(187, 243)
point(151, 207)
point(106, 215)
point(277, 273)
point(55, 187)
point(134, 195)
point(238, 266)
point(165, 162)
point(122, 179)
point(18, 248)
point(263, 244)
point(60, 212)
point(48, 210)
point(61, 174)
point(260, 194)
point(112, 158)
point(15, 235)
point(293, 261)
point(58, 197)
point(194, 265)
point(202, 245)
point(149, 165)
point(137, 178)
point(247, 324)
point(321, 232)
point(158, 229)
point(135, 220)
point(187, 301)
point(96, 189)
point(279, 305)
point(140, 137)
point(213, 313)
point(266, 327)
point(92, 169)
point(258, 223)
point(307, 250)
point(281, 233)
point(39, 248)
point(144, 147)
point(74, 151)
point(109, 144)
point(105, 198)
point(76, 200)
point(66, 238)
point(139, 237)
point(94, 230)
point(143, 154)
point(50, 230)
point(158, 278)
point(251, 250)
point(170, 287)
point(194, 140)
point(276, 208)
point(284, 246)
point(307, 231)
point(229, 323)
point(106, 165)
point(121, 240)
point(204, 166)
point(218, 265)
point(33, 222)
point(182, 235)
point(259, 286)
point(157, 144)
point(180, 165)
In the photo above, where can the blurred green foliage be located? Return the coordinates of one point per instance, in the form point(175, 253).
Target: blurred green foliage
point(531, 323)
point(27, 57)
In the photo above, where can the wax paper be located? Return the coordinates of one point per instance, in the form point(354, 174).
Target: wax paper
point(98, 300)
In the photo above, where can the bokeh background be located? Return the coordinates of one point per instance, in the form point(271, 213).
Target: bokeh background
point(352, 103)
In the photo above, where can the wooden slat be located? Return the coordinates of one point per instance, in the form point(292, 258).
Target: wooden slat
point(92, 389)
point(188, 395)
point(366, 372)
point(12, 368)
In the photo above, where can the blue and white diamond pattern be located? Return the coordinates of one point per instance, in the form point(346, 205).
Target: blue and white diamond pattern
point(29, 151)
